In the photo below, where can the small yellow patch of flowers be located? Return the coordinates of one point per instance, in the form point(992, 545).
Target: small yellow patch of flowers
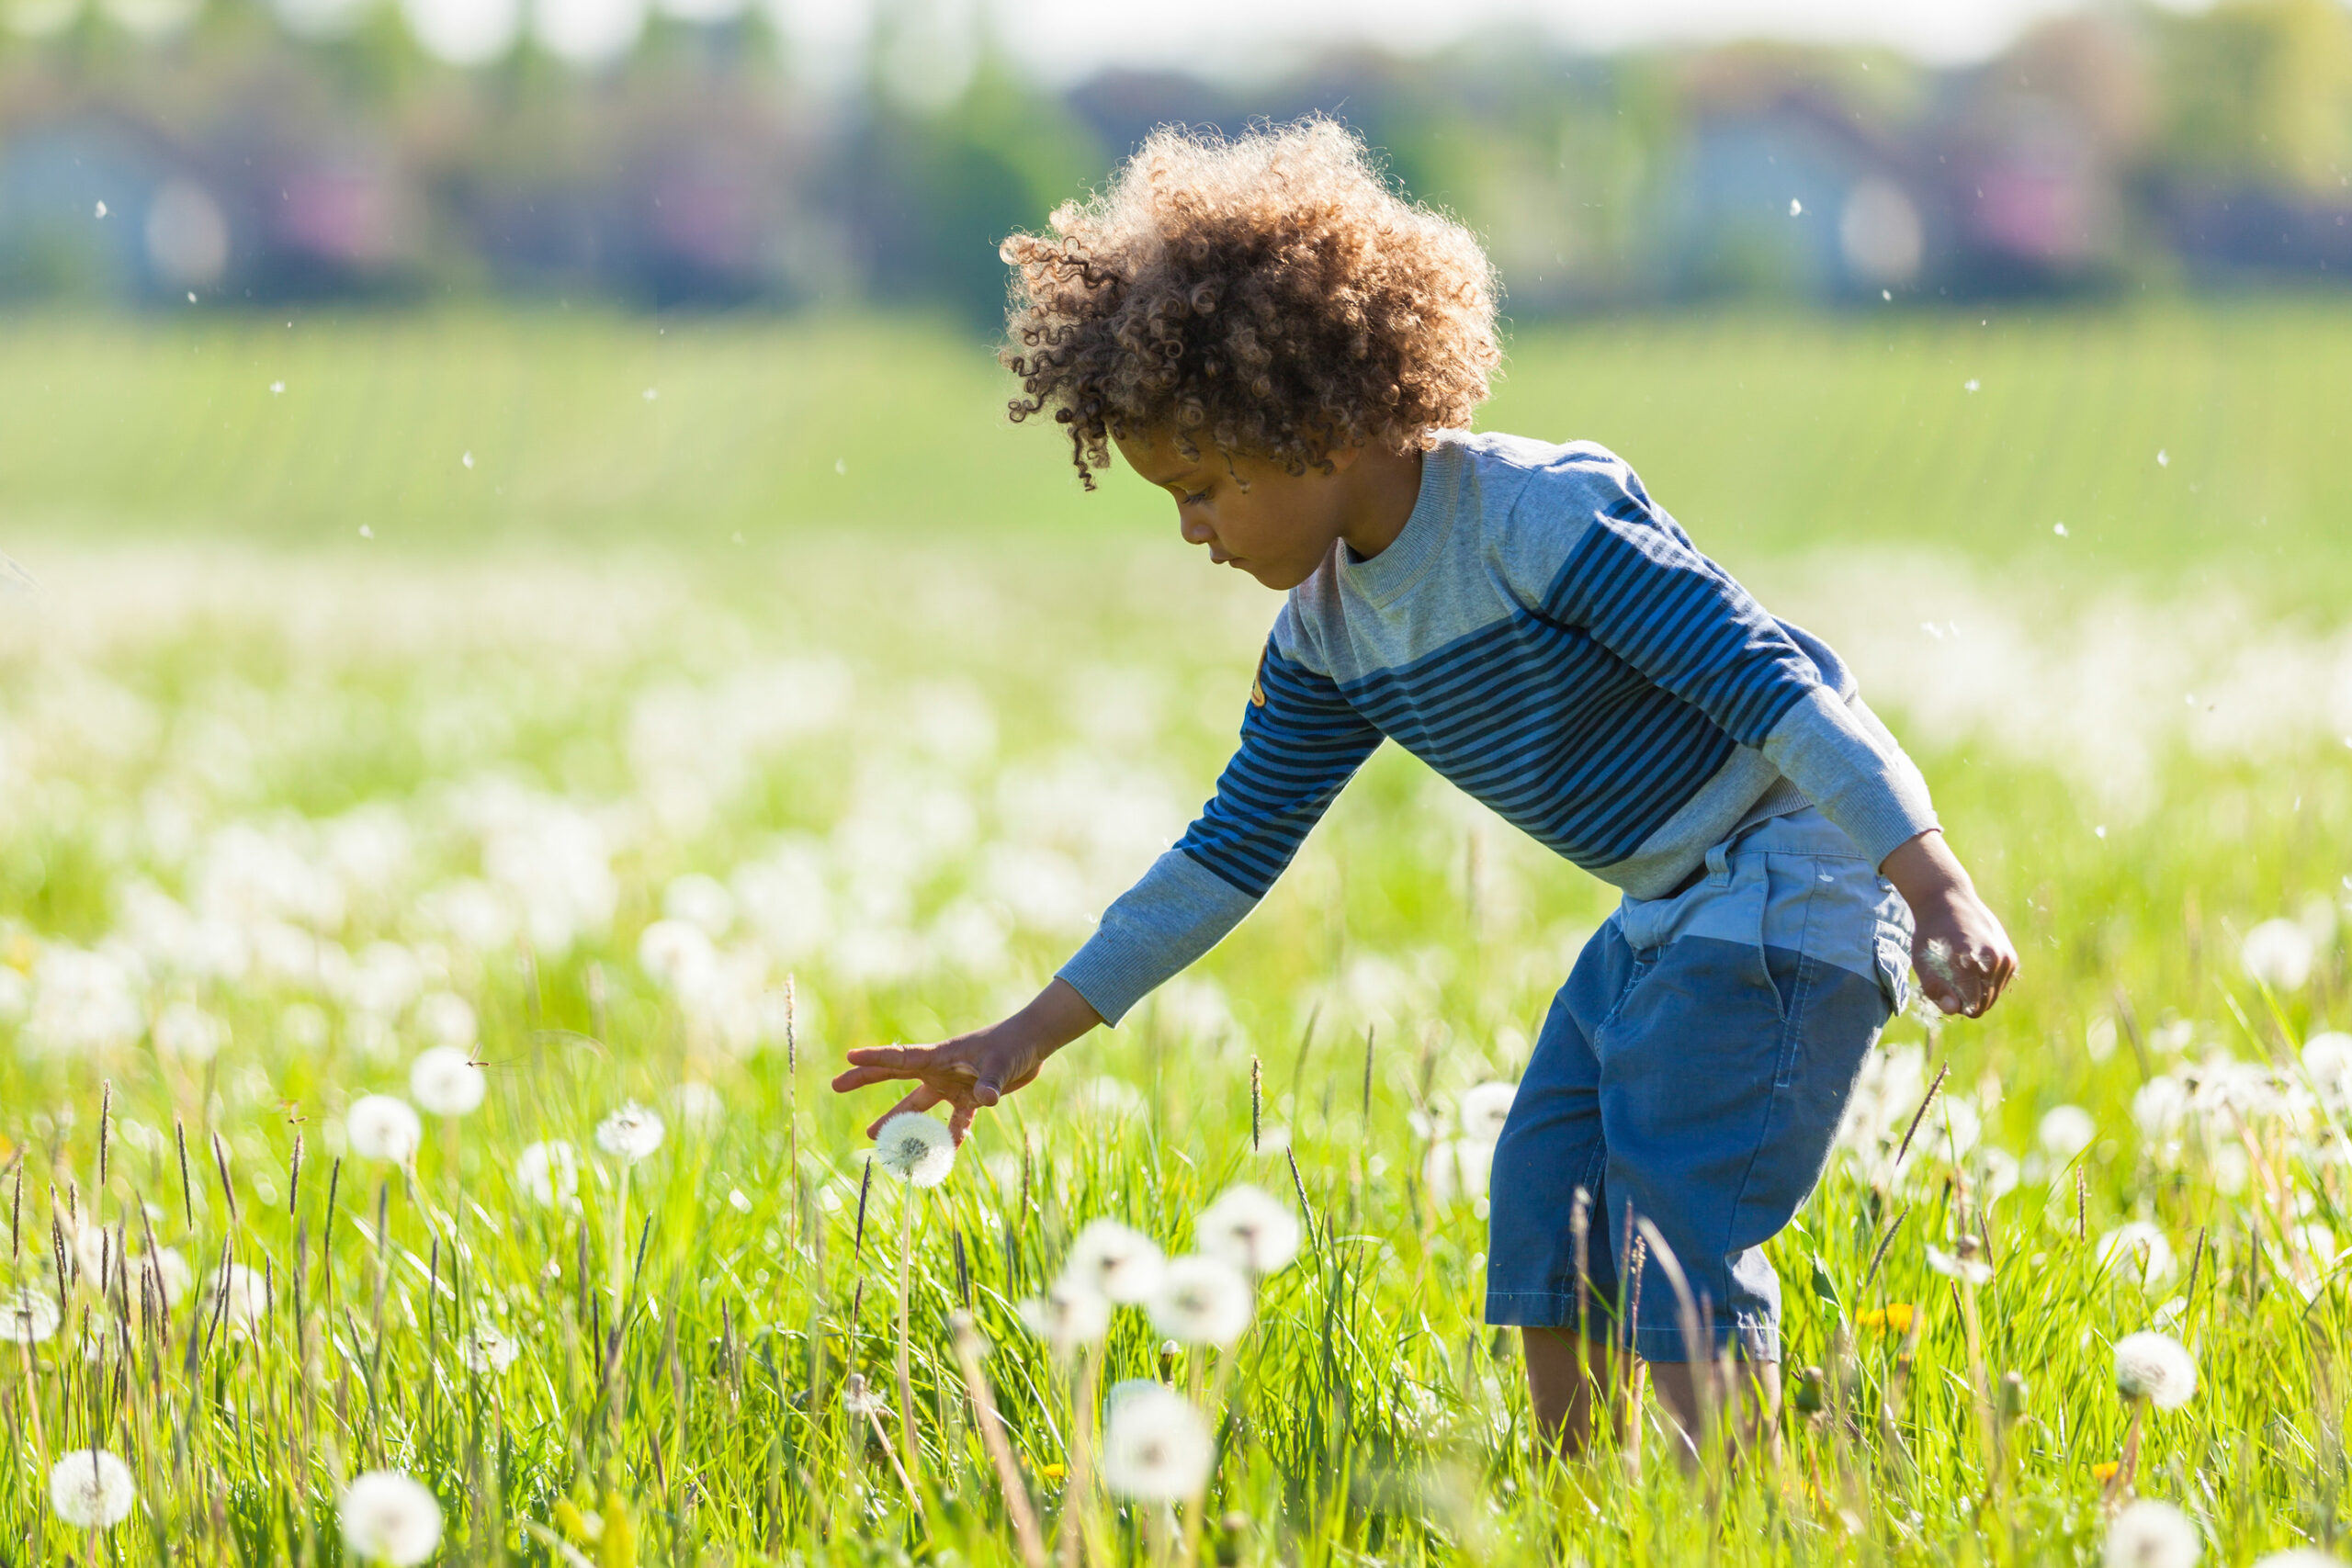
point(1895, 1317)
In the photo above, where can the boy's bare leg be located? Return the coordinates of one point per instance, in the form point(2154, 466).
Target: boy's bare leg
point(1565, 1372)
point(1755, 1384)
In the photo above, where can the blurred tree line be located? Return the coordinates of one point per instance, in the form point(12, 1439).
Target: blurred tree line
point(152, 149)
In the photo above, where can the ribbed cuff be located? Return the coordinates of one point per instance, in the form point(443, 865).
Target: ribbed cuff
point(1155, 929)
point(1861, 780)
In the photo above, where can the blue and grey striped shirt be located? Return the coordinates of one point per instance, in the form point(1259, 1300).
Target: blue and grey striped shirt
point(1543, 635)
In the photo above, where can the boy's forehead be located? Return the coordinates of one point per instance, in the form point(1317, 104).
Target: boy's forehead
point(1157, 458)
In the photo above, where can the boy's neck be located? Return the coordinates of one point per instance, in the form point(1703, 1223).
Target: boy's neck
point(1383, 488)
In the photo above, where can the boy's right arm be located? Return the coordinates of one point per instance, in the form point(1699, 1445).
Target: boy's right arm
point(975, 1070)
point(1301, 741)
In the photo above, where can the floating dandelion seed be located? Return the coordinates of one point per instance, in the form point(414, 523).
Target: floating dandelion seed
point(366, 532)
point(916, 1148)
point(629, 1133)
point(1066, 1316)
point(277, 389)
point(467, 459)
point(2058, 529)
point(1796, 208)
point(2149, 1534)
point(1156, 1446)
point(1969, 385)
point(92, 1490)
point(1203, 1301)
point(1484, 1109)
point(549, 1171)
point(383, 1126)
point(488, 1352)
point(1886, 294)
point(2156, 1368)
point(651, 393)
point(1115, 1262)
point(102, 209)
point(446, 1081)
point(389, 1517)
point(1250, 1228)
point(27, 1317)
point(2163, 459)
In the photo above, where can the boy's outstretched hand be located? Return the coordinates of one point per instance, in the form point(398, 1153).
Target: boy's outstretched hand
point(974, 1070)
point(1965, 957)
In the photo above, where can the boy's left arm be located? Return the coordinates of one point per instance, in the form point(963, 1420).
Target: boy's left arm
point(1963, 955)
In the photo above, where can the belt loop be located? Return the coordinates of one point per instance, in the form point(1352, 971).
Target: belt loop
point(1719, 864)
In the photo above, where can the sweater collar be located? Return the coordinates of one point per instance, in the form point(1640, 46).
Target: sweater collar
point(1395, 569)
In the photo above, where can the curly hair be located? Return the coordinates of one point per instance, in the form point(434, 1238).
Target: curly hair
point(1270, 294)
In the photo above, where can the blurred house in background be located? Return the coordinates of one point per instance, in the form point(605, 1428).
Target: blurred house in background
point(688, 154)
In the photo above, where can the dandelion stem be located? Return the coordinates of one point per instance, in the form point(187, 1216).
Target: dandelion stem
point(906, 1305)
point(1008, 1474)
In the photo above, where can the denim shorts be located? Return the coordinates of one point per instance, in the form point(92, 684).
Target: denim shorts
point(1693, 1070)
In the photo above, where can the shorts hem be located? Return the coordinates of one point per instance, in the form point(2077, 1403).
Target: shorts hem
point(1750, 1339)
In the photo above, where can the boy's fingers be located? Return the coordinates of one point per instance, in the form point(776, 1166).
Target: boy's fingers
point(959, 1123)
point(888, 1056)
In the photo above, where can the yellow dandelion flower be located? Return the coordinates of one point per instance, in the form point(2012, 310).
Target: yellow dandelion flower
point(2105, 1472)
point(1895, 1317)
point(1054, 1472)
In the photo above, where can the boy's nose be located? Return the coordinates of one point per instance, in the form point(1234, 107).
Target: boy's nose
point(1196, 531)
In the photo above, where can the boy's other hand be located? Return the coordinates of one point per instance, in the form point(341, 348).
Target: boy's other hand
point(1962, 953)
point(973, 1071)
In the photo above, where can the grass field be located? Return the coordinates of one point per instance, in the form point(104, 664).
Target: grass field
point(560, 777)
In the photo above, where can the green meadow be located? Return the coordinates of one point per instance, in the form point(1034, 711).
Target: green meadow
point(648, 710)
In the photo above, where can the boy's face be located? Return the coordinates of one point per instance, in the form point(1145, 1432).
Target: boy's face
point(1274, 526)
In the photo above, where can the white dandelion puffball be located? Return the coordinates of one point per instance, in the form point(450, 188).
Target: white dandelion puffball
point(92, 1490)
point(448, 1019)
point(247, 1296)
point(1975, 1270)
point(2066, 1131)
point(1119, 1264)
point(488, 1352)
point(446, 1081)
point(383, 1126)
point(2300, 1557)
point(1203, 1301)
point(1484, 1109)
point(186, 1032)
point(916, 1148)
point(1250, 1228)
point(629, 1133)
point(2280, 953)
point(698, 1105)
point(2149, 1534)
point(1067, 1315)
point(548, 1171)
point(2138, 1248)
point(389, 1517)
point(27, 1317)
point(2156, 1368)
point(1156, 1446)
point(2328, 1059)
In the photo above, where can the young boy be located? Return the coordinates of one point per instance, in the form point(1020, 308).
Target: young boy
point(1265, 332)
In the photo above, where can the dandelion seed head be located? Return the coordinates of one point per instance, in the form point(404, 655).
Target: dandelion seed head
point(1484, 1109)
point(1067, 1315)
point(2300, 1557)
point(1156, 1446)
point(445, 1082)
point(448, 1019)
point(2280, 953)
point(1121, 1265)
point(1203, 1301)
point(389, 1517)
point(92, 1489)
point(858, 1399)
point(1249, 1228)
point(2137, 1249)
point(383, 1126)
point(2151, 1534)
point(548, 1171)
point(488, 1351)
point(2156, 1368)
point(916, 1148)
point(2064, 1132)
point(630, 1134)
point(27, 1317)
point(1974, 1271)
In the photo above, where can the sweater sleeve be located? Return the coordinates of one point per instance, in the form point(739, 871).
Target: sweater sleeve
point(1301, 741)
point(1636, 582)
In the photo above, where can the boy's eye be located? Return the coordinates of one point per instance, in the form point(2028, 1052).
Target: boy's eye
point(1195, 499)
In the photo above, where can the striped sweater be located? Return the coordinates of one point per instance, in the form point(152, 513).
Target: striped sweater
point(1543, 635)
